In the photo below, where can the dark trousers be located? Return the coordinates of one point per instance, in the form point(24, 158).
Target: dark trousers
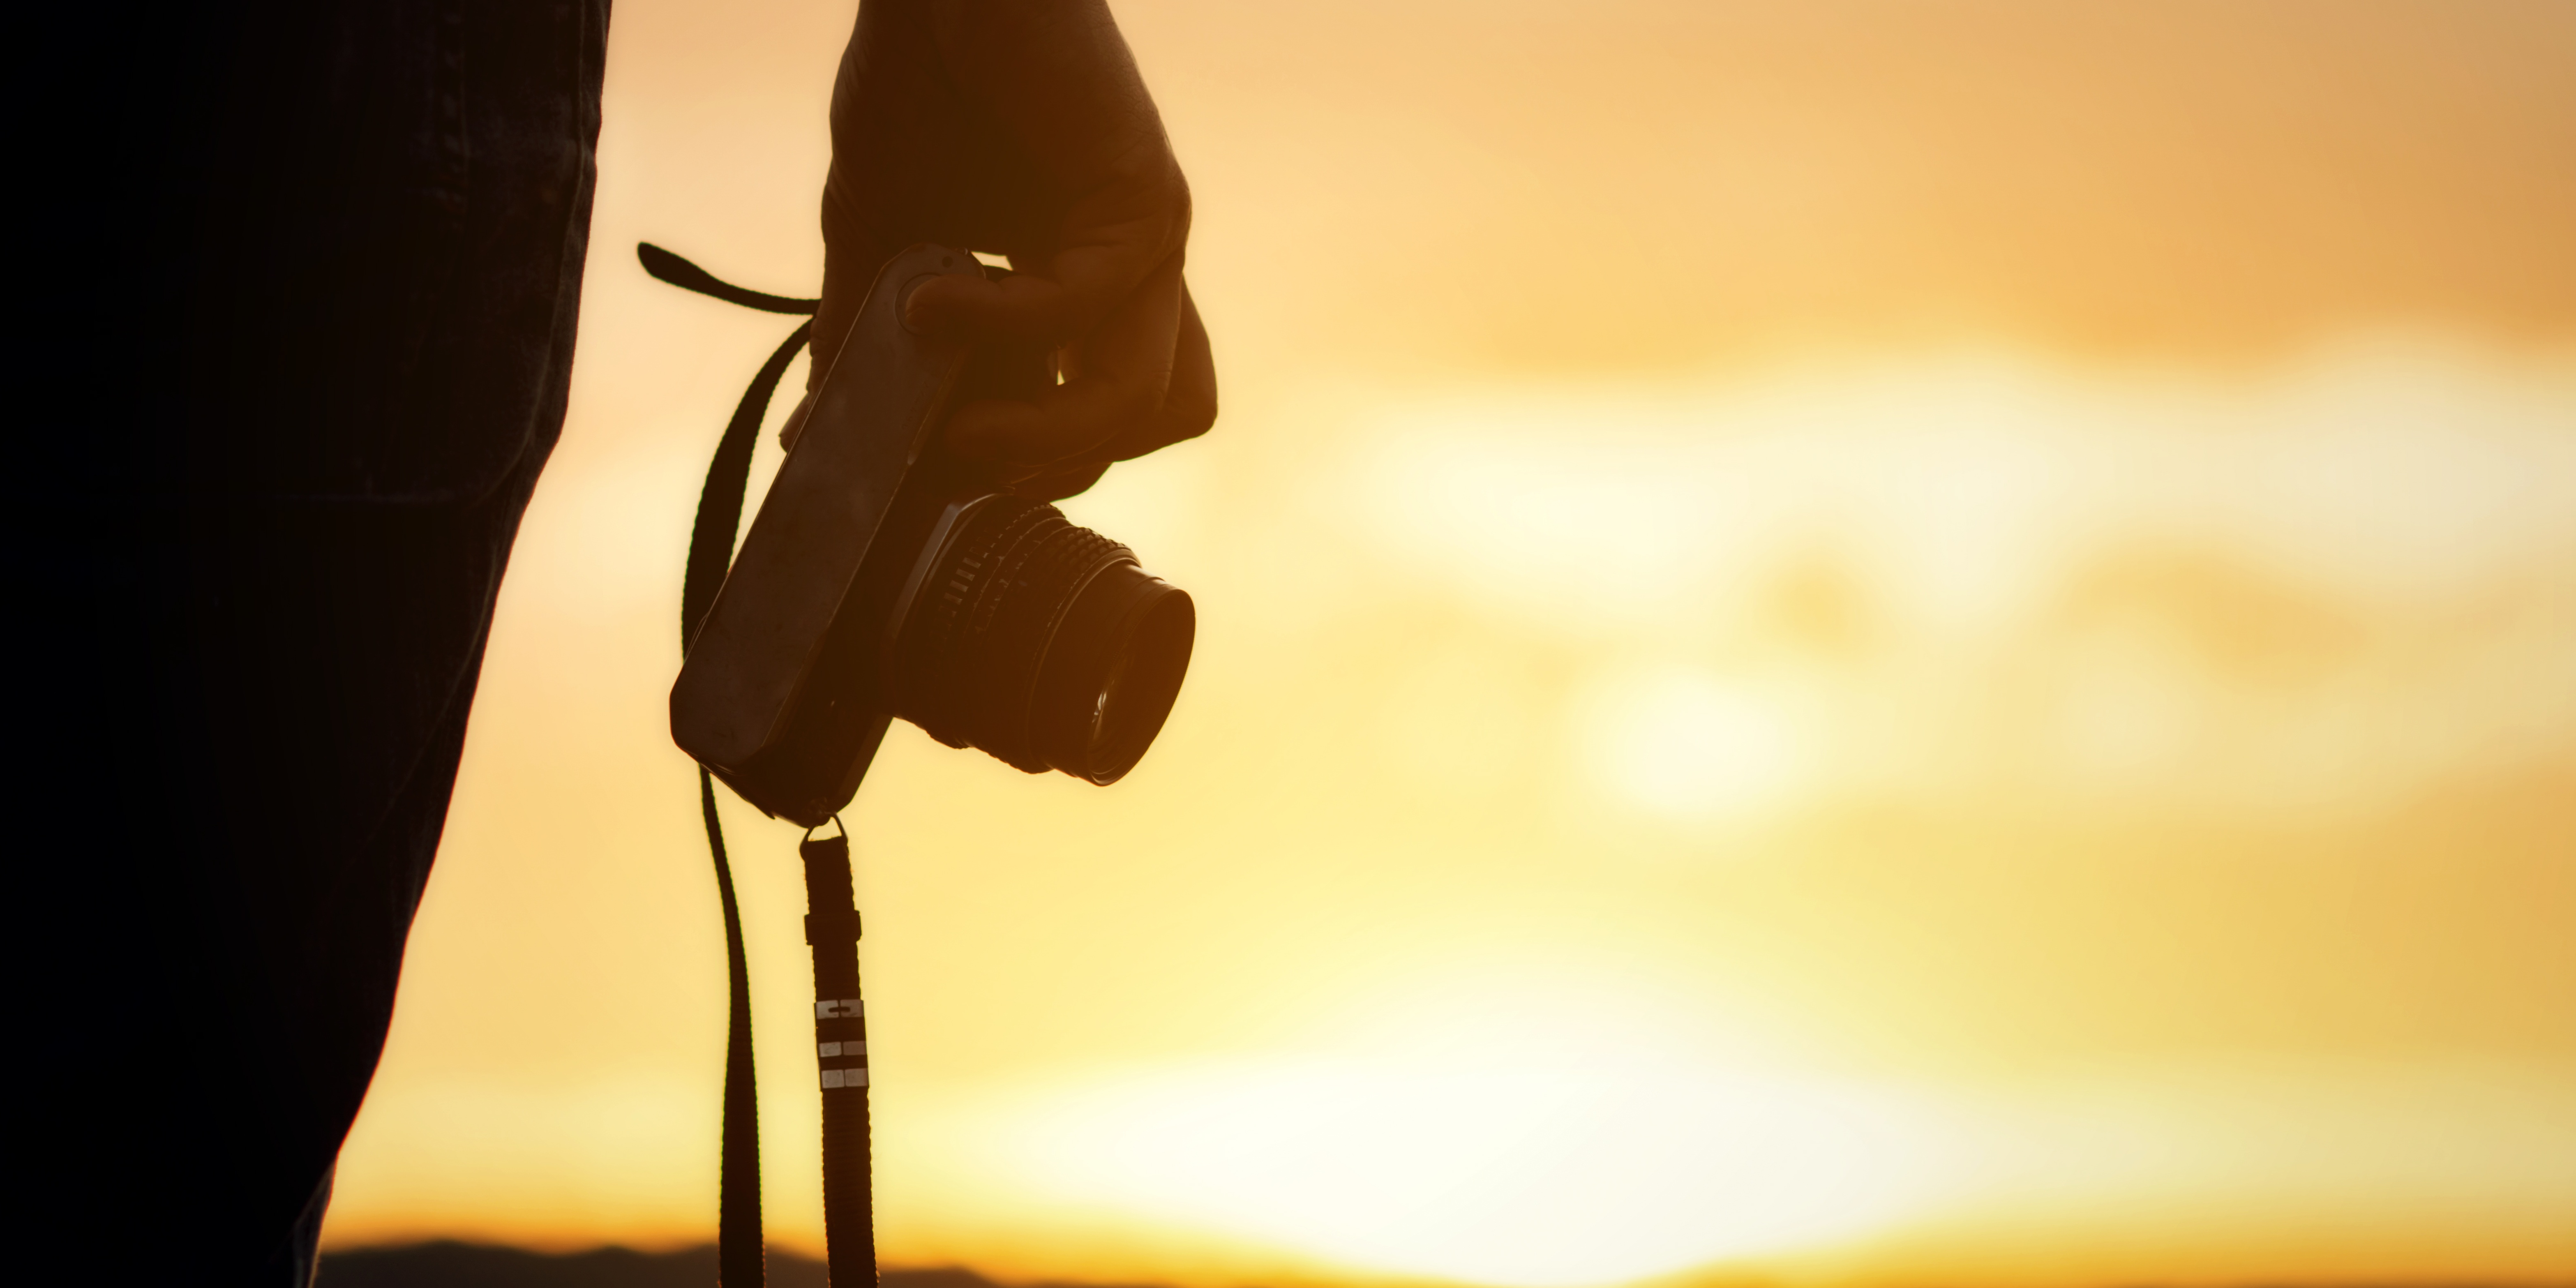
point(296, 348)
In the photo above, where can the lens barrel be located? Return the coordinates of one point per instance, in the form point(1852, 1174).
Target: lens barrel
point(1041, 642)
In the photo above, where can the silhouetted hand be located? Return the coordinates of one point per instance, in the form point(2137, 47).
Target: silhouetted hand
point(1022, 127)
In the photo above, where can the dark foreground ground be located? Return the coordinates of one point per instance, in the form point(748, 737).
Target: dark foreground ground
point(468, 1265)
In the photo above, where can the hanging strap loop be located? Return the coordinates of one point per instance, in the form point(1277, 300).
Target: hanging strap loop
point(739, 1259)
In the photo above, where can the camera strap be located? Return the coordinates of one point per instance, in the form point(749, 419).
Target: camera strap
point(841, 1051)
point(847, 1218)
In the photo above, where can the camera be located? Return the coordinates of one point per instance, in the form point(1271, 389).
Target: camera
point(885, 577)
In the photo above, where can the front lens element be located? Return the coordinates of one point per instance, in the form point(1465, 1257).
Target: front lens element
point(1112, 672)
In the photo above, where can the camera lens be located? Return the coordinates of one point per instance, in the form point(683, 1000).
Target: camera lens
point(1042, 643)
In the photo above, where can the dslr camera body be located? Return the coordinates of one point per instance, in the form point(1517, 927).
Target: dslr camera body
point(884, 577)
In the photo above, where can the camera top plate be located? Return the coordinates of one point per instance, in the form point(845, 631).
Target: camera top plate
point(874, 413)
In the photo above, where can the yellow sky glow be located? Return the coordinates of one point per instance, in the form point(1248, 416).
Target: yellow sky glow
point(1849, 643)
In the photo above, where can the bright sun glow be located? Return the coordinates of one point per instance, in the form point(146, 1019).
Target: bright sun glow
point(1680, 743)
point(1552, 1152)
point(1426, 728)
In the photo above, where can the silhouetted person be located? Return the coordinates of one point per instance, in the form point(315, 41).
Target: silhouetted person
point(297, 344)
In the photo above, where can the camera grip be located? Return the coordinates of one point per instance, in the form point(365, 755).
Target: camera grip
point(872, 416)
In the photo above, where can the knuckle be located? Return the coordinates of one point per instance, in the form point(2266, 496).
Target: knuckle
point(1139, 407)
point(1191, 415)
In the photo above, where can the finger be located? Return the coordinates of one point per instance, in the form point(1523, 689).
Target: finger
point(1111, 242)
point(1189, 399)
point(1117, 378)
point(1055, 484)
point(1189, 402)
point(1060, 90)
point(796, 419)
point(1188, 410)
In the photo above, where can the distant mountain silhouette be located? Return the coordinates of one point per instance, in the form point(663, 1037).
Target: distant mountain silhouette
point(448, 1264)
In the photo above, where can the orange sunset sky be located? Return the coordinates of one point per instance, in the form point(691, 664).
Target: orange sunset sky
point(1840, 643)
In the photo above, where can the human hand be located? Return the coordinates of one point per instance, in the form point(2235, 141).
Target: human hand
point(1021, 127)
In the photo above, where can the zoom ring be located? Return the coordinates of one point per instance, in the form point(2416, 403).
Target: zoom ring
point(971, 656)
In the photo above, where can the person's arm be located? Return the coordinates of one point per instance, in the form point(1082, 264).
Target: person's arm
point(1021, 127)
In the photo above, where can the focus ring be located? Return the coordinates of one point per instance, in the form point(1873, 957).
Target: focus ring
point(935, 670)
point(969, 660)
